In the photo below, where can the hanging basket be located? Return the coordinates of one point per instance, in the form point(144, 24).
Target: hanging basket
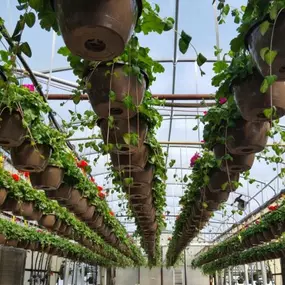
point(81, 206)
point(62, 194)
point(50, 179)
point(135, 162)
point(30, 158)
point(237, 164)
point(139, 193)
point(147, 201)
point(214, 199)
point(9, 205)
point(252, 103)
point(3, 196)
point(12, 242)
point(48, 221)
point(256, 42)
point(97, 30)
point(97, 223)
point(222, 181)
point(105, 78)
point(89, 213)
point(247, 137)
point(139, 179)
point(12, 131)
point(121, 132)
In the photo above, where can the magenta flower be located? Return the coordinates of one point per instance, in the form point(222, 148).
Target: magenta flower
point(205, 113)
point(202, 141)
point(31, 87)
point(194, 158)
point(223, 100)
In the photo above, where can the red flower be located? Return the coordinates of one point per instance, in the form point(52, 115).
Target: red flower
point(177, 217)
point(257, 222)
point(194, 158)
point(205, 113)
point(246, 226)
point(27, 174)
point(202, 141)
point(92, 179)
point(82, 164)
point(100, 188)
point(273, 208)
point(16, 177)
point(169, 238)
point(112, 213)
point(102, 195)
point(223, 100)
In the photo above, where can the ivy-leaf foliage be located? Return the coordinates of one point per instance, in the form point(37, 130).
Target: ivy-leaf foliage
point(184, 42)
point(25, 48)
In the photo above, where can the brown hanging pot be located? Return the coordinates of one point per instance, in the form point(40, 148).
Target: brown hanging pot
point(88, 214)
point(121, 132)
point(220, 180)
point(2, 239)
point(252, 103)
point(62, 194)
point(214, 199)
point(237, 163)
point(97, 30)
point(3, 196)
point(48, 221)
point(139, 193)
point(139, 179)
point(12, 131)
point(135, 162)
point(146, 201)
point(256, 41)
point(9, 205)
point(27, 157)
point(27, 210)
point(247, 137)
point(81, 206)
point(50, 179)
point(12, 242)
point(105, 78)
point(97, 223)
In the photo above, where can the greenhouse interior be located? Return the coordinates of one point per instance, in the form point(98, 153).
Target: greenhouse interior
point(134, 149)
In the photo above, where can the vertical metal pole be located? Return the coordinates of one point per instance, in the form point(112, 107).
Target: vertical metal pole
point(185, 267)
point(139, 275)
point(230, 275)
point(161, 268)
point(282, 260)
point(66, 273)
point(246, 274)
point(263, 271)
point(251, 273)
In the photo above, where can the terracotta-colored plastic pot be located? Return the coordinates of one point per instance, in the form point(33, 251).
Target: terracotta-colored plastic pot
point(139, 193)
point(68, 231)
point(81, 206)
point(111, 238)
point(256, 42)
point(135, 162)
point(268, 235)
point(142, 208)
point(105, 231)
point(12, 132)
point(2, 239)
point(9, 205)
point(62, 194)
point(247, 137)
point(30, 158)
point(102, 81)
point(12, 242)
point(253, 240)
point(220, 179)
point(97, 30)
point(62, 228)
point(33, 246)
point(23, 244)
point(252, 103)
point(147, 219)
point(147, 201)
point(24, 209)
point(97, 223)
point(50, 179)
point(140, 179)
point(119, 134)
point(48, 221)
point(214, 199)
point(237, 163)
point(88, 215)
point(148, 214)
point(54, 251)
point(3, 196)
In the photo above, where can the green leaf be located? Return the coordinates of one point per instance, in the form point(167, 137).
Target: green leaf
point(263, 51)
point(268, 113)
point(172, 162)
point(36, 4)
point(112, 96)
point(25, 48)
point(264, 86)
point(269, 56)
point(30, 19)
point(264, 27)
point(184, 42)
point(169, 23)
point(201, 59)
point(64, 51)
point(18, 30)
point(273, 11)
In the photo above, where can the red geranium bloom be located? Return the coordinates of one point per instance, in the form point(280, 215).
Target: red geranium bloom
point(82, 164)
point(112, 213)
point(27, 174)
point(205, 113)
point(202, 141)
point(194, 158)
point(246, 226)
point(273, 208)
point(92, 179)
point(223, 100)
point(257, 222)
point(102, 195)
point(100, 188)
point(16, 177)
point(169, 238)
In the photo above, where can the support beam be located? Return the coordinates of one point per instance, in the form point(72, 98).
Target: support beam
point(246, 274)
point(66, 273)
point(263, 272)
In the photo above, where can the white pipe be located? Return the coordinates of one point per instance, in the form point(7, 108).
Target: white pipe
point(246, 274)
point(263, 271)
point(230, 276)
point(66, 273)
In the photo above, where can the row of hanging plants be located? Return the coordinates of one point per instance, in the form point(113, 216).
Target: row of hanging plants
point(247, 98)
point(30, 238)
point(269, 251)
point(17, 196)
point(206, 189)
point(268, 227)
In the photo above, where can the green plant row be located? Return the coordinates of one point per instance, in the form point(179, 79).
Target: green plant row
point(22, 191)
point(265, 252)
point(234, 244)
point(13, 231)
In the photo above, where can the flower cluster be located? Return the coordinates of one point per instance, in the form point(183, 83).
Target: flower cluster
point(194, 159)
point(16, 177)
point(82, 164)
point(273, 208)
point(31, 87)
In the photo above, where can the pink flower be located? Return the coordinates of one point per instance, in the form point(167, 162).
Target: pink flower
point(223, 100)
point(194, 158)
point(205, 113)
point(202, 141)
point(31, 87)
